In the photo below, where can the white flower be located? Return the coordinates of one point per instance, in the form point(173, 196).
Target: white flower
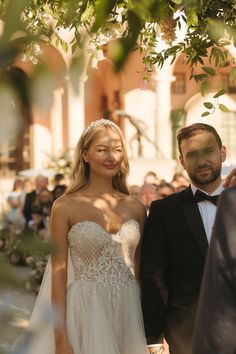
point(32, 53)
point(61, 163)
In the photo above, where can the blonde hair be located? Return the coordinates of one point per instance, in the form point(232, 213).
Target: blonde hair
point(80, 169)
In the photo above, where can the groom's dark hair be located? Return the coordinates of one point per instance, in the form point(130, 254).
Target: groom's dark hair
point(192, 129)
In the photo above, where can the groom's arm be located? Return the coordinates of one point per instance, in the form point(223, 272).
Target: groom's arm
point(154, 275)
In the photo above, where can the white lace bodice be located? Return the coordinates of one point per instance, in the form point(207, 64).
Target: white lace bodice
point(102, 257)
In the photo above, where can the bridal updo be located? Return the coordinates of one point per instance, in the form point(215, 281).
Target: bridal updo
point(80, 169)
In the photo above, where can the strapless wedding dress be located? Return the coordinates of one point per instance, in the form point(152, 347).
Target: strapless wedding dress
point(103, 300)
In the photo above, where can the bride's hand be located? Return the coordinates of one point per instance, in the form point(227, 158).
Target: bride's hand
point(64, 348)
point(165, 348)
point(229, 179)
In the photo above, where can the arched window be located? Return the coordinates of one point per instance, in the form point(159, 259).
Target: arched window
point(15, 153)
point(228, 134)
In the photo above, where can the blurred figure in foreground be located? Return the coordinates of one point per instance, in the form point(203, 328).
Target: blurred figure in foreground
point(230, 180)
point(216, 318)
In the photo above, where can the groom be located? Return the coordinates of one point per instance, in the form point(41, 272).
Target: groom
point(175, 243)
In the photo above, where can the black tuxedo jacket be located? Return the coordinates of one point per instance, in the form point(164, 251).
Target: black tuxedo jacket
point(172, 261)
point(215, 330)
point(29, 200)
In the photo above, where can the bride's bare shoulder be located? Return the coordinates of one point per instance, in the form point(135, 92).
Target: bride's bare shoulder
point(66, 202)
point(135, 205)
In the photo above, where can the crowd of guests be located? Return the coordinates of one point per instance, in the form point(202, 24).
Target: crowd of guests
point(29, 203)
point(154, 188)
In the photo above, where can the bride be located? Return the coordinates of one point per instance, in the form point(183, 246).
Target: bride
point(96, 229)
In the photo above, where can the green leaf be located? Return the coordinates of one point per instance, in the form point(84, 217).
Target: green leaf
point(232, 73)
point(204, 88)
point(64, 46)
point(209, 71)
point(178, 2)
point(104, 8)
point(220, 93)
point(208, 105)
point(75, 70)
point(200, 77)
point(223, 108)
point(12, 18)
point(204, 114)
point(192, 17)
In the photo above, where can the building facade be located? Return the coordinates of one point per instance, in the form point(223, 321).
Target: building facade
point(55, 115)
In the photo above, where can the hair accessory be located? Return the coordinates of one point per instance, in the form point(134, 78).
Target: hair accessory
point(101, 123)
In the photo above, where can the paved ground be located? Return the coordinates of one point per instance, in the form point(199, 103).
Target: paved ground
point(15, 310)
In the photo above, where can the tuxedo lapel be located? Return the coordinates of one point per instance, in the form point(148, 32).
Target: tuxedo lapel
point(193, 217)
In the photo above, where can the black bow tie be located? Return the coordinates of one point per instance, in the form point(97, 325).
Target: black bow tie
point(200, 196)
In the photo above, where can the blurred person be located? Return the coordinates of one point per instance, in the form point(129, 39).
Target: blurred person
point(17, 188)
point(36, 223)
point(230, 180)
point(151, 178)
point(14, 216)
point(59, 179)
point(175, 242)
point(134, 190)
point(164, 189)
point(41, 182)
point(45, 200)
point(179, 180)
point(59, 186)
point(216, 316)
point(40, 212)
point(91, 278)
point(58, 191)
point(147, 194)
point(27, 187)
point(44, 196)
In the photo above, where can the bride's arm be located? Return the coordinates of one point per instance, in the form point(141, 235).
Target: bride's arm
point(141, 216)
point(59, 226)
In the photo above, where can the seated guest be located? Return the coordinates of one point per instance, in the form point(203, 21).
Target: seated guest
point(58, 191)
point(41, 182)
point(164, 189)
point(179, 180)
point(147, 193)
point(14, 216)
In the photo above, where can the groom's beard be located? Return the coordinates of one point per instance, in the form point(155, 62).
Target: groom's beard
point(204, 180)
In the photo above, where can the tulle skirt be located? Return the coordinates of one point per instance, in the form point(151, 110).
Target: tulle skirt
point(100, 320)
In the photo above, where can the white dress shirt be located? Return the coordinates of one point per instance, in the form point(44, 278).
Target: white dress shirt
point(207, 210)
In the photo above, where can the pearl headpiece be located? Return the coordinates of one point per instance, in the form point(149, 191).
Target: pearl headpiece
point(101, 123)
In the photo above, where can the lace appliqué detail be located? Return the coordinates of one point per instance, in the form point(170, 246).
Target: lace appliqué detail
point(104, 258)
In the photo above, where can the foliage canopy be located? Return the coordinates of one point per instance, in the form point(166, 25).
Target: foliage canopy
point(207, 25)
point(162, 29)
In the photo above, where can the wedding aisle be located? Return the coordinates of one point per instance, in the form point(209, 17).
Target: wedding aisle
point(15, 310)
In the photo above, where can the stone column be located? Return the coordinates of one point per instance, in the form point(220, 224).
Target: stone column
point(76, 117)
point(163, 110)
point(56, 122)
